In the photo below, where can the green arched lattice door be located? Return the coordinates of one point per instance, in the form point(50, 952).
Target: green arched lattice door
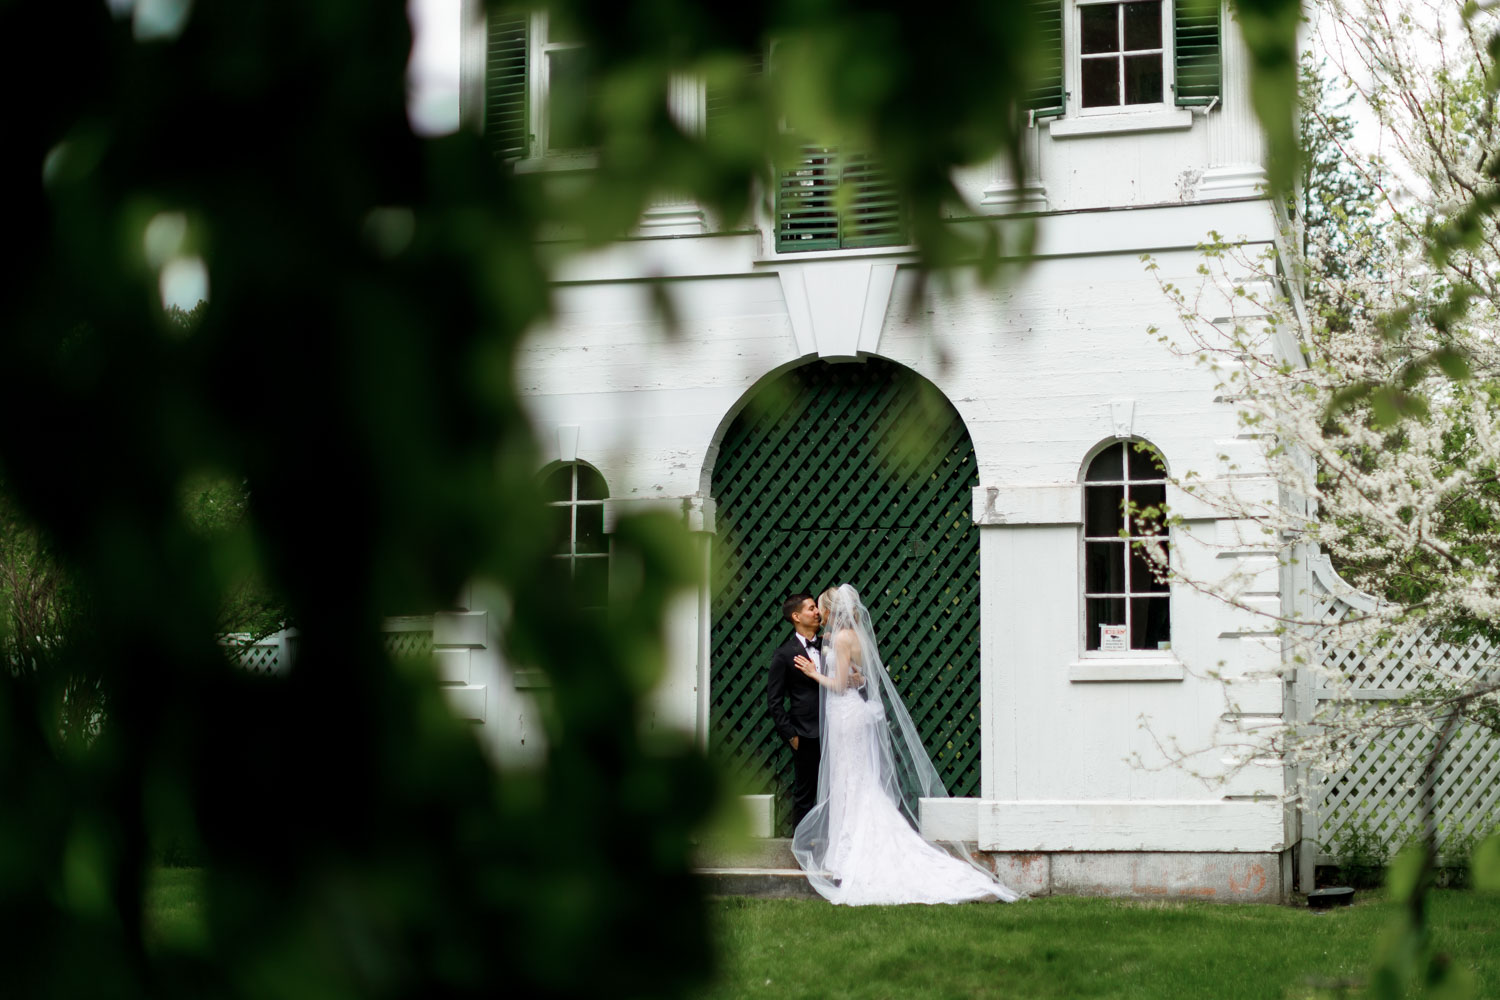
point(848, 473)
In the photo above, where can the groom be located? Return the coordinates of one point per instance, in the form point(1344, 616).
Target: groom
point(799, 725)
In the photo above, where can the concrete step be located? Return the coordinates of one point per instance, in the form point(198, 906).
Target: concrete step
point(746, 852)
point(761, 867)
point(760, 883)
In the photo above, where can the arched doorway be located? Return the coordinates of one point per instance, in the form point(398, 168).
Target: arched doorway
point(847, 473)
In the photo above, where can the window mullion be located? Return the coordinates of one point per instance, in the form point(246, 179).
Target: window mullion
point(1120, 77)
point(573, 522)
point(1125, 519)
point(1130, 589)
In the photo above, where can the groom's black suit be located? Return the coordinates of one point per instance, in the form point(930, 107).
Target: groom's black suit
point(786, 683)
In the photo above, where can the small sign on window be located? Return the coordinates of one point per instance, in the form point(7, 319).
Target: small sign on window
point(1114, 638)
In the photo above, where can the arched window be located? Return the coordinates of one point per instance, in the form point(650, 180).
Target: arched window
point(575, 495)
point(1126, 606)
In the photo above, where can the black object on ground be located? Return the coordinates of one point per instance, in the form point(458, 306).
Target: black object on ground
point(1326, 899)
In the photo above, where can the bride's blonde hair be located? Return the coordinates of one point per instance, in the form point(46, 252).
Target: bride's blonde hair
point(825, 603)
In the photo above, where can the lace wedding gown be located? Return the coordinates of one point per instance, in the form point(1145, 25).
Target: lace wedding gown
point(859, 845)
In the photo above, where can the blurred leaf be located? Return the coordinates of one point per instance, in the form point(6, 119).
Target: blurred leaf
point(1485, 864)
point(1448, 980)
point(336, 435)
point(1406, 872)
point(1454, 363)
point(1390, 405)
point(1270, 32)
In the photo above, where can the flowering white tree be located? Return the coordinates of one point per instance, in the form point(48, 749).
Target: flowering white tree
point(1363, 356)
point(1368, 368)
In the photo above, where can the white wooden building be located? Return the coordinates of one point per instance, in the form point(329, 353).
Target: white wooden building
point(1045, 376)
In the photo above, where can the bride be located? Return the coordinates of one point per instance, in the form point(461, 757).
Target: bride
point(859, 845)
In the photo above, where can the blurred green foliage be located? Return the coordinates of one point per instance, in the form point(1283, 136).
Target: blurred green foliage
point(1361, 852)
point(345, 402)
point(42, 614)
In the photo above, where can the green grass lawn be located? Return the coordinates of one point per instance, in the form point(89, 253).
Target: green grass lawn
point(1040, 948)
point(1067, 947)
point(174, 907)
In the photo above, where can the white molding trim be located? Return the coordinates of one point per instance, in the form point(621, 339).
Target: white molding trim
point(702, 514)
point(675, 219)
point(902, 253)
point(1085, 232)
point(530, 679)
point(567, 442)
point(1041, 503)
point(950, 819)
point(1120, 124)
point(1150, 667)
point(699, 513)
point(1062, 503)
point(452, 665)
point(467, 702)
point(1233, 181)
point(1004, 196)
point(561, 162)
point(1057, 825)
point(837, 307)
point(461, 628)
point(708, 256)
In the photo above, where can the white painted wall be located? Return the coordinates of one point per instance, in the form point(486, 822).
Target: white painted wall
point(1136, 159)
point(1043, 369)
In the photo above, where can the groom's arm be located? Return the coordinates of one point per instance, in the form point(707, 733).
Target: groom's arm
point(776, 698)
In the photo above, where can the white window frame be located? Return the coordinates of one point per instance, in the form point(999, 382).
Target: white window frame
point(572, 556)
point(685, 101)
point(1074, 72)
point(539, 81)
point(1170, 538)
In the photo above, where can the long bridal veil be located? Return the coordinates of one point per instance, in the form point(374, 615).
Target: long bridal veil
point(871, 747)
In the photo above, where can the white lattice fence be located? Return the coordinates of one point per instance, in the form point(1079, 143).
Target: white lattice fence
point(268, 655)
point(1379, 793)
point(273, 653)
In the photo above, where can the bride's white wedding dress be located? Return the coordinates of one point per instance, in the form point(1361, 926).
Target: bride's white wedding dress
point(859, 845)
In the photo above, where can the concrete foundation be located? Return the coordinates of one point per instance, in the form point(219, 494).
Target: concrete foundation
point(1228, 878)
point(766, 867)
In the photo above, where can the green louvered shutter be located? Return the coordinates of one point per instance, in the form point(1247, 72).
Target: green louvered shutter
point(831, 201)
point(806, 216)
point(1046, 96)
point(1196, 37)
point(505, 90)
point(871, 213)
point(847, 473)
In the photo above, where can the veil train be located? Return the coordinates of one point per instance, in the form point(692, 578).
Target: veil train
point(861, 843)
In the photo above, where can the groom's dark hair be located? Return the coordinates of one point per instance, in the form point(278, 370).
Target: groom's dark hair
point(792, 604)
